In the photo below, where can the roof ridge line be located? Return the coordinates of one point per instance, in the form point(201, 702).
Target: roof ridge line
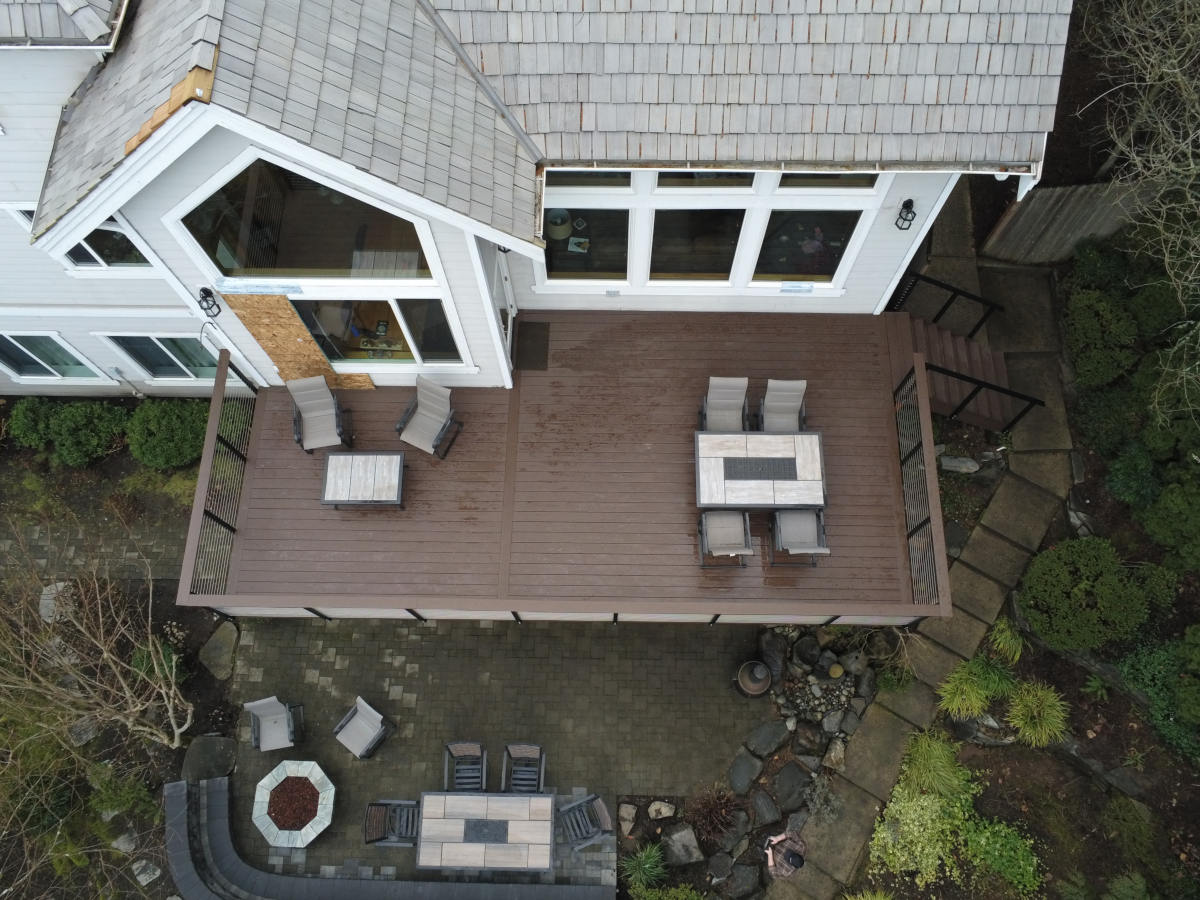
point(504, 112)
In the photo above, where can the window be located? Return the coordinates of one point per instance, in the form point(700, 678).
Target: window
point(568, 178)
point(106, 247)
point(706, 179)
point(384, 331)
point(804, 245)
point(827, 179)
point(41, 356)
point(695, 243)
point(270, 221)
point(586, 243)
point(168, 357)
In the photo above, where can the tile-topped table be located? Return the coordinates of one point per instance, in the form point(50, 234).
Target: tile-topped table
point(754, 469)
point(364, 479)
point(512, 832)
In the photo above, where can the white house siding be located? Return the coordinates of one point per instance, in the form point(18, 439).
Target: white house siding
point(873, 274)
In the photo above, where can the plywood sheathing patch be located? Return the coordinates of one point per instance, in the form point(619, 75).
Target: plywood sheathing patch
point(196, 85)
point(274, 323)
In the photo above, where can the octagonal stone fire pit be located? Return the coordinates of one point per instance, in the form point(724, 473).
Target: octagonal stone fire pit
point(297, 796)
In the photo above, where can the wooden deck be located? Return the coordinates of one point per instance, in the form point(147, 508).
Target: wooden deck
point(573, 495)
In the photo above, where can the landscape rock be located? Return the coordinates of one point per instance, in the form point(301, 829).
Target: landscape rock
point(806, 651)
point(865, 686)
point(145, 871)
point(808, 738)
point(835, 755)
point(796, 821)
point(661, 809)
point(854, 662)
point(680, 847)
point(737, 831)
point(741, 883)
point(741, 847)
point(850, 722)
point(720, 866)
point(765, 810)
point(767, 738)
point(743, 770)
point(832, 722)
point(83, 730)
point(825, 637)
point(957, 536)
point(126, 843)
point(209, 756)
point(790, 723)
point(962, 464)
point(812, 763)
point(827, 659)
point(626, 815)
point(858, 705)
point(773, 649)
point(48, 602)
point(789, 786)
point(217, 653)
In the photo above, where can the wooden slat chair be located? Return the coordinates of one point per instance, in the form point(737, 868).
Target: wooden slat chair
point(317, 417)
point(464, 767)
point(725, 533)
point(391, 823)
point(725, 407)
point(797, 532)
point(585, 822)
point(524, 769)
point(428, 423)
point(782, 407)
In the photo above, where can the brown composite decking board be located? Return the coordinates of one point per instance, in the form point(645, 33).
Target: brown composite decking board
point(576, 491)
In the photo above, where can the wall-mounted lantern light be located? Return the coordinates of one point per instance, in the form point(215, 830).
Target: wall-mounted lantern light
point(208, 303)
point(906, 216)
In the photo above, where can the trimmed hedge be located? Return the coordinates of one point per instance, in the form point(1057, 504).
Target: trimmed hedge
point(167, 434)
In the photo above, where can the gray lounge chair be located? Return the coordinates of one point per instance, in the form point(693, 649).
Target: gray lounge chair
point(783, 406)
point(391, 823)
point(274, 725)
point(464, 766)
point(428, 423)
point(585, 822)
point(317, 417)
point(362, 729)
point(725, 533)
point(797, 532)
point(725, 408)
point(524, 769)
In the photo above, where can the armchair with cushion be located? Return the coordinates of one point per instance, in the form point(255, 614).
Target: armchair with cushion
point(362, 729)
point(783, 406)
point(317, 417)
point(274, 725)
point(428, 423)
point(725, 408)
point(797, 532)
point(725, 533)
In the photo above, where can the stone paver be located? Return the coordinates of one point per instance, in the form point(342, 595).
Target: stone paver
point(1050, 469)
point(873, 756)
point(838, 850)
point(930, 661)
point(915, 703)
point(1045, 428)
point(991, 554)
point(960, 632)
point(1021, 511)
point(978, 594)
point(1029, 322)
point(809, 883)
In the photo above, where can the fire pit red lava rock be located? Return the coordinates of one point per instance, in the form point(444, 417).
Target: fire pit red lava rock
point(293, 804)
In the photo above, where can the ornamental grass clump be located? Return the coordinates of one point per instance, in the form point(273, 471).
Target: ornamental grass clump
point(644, 868)
point(931, 765)
point(1039, 714)
point(710, 812)
point(972, 685)
point(1006, 642)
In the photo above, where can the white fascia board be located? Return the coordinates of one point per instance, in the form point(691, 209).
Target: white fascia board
point(916, 243)
point(371, 184)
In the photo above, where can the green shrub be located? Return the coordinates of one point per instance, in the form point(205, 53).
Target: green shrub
point(177, 488)
point(1039, 714)
point(1155, 669)
point(1155, 308)
point(1132, 477)
point(1109, 418)
point(167, 434)
point(83, 431)
point(29, 422)
point(1099, 266)
point(918, 835)
point(1173, 522)
point(644, 868)
point(1000, 848)
point(1130, 886)
point(1005, 640)
point(1078, 596)
point(1100, 338)
point(931, 765)
point(1073, 887)
point(1095, 688)
point(120, 794)
point(676, 892)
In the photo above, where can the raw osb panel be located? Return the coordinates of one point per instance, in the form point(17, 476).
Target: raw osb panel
point(278, 329)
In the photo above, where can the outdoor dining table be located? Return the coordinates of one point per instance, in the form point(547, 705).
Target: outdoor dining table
point(759, 470)
point(508, 832)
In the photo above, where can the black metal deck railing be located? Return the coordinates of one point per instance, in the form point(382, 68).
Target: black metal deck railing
point(912, 279)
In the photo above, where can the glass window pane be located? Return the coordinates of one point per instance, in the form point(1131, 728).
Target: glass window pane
point(586, 243)
point(81, 256)
point(828, 179)
point(355, 330)
point(53, 354)
point(20, 361)
point(269, 221)
point(193, 355)
point(695, 243)
point(426, 321)
point(586, 179)
point(705, 179)
point(27, 214)
point(804, 245)
point(151, 357)
point(115, 248)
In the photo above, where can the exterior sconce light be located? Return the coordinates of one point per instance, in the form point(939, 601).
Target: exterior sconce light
point(209, 303)
point(906, 216)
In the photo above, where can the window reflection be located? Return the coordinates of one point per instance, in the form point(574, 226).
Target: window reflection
point(695, 244)
point(804, 245)
point(586, 243)
point(355, 329)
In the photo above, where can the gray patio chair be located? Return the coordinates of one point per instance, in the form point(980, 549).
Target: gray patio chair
point(585, 822)
point(274, 725)
point(428, 423)
point(725, 408)
point(317, 417)
point(391, 823)
point(782, 407)
point(524, 769)
point(464, 766)
point(362, 729)
point(797, 532)
point(725, 533)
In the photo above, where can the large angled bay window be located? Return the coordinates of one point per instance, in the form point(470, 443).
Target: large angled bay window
point(403, 331)
point(804, 245)
point(268, 221)
point(695, 243)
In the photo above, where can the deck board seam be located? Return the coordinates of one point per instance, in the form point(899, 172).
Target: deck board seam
point(508, 503)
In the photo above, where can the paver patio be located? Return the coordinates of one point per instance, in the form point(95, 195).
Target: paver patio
point(630, 708)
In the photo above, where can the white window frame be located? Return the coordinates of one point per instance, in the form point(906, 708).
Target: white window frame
point(102, 377)
point(101, 269)
point(309, 288)
point(187, 375)
point(643, 198)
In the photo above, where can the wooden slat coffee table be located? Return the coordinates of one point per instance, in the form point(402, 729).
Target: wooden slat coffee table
point(364, 479)
point(510, 832)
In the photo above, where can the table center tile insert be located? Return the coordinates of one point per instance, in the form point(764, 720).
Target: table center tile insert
point(752, 468)
point(485, 831)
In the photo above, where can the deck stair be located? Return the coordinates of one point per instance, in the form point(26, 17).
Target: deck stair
point(965, 399)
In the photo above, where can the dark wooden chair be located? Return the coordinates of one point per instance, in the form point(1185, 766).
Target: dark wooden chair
point(524, 769)
point(391, 823)
point(585, 822)
point(464, 767)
